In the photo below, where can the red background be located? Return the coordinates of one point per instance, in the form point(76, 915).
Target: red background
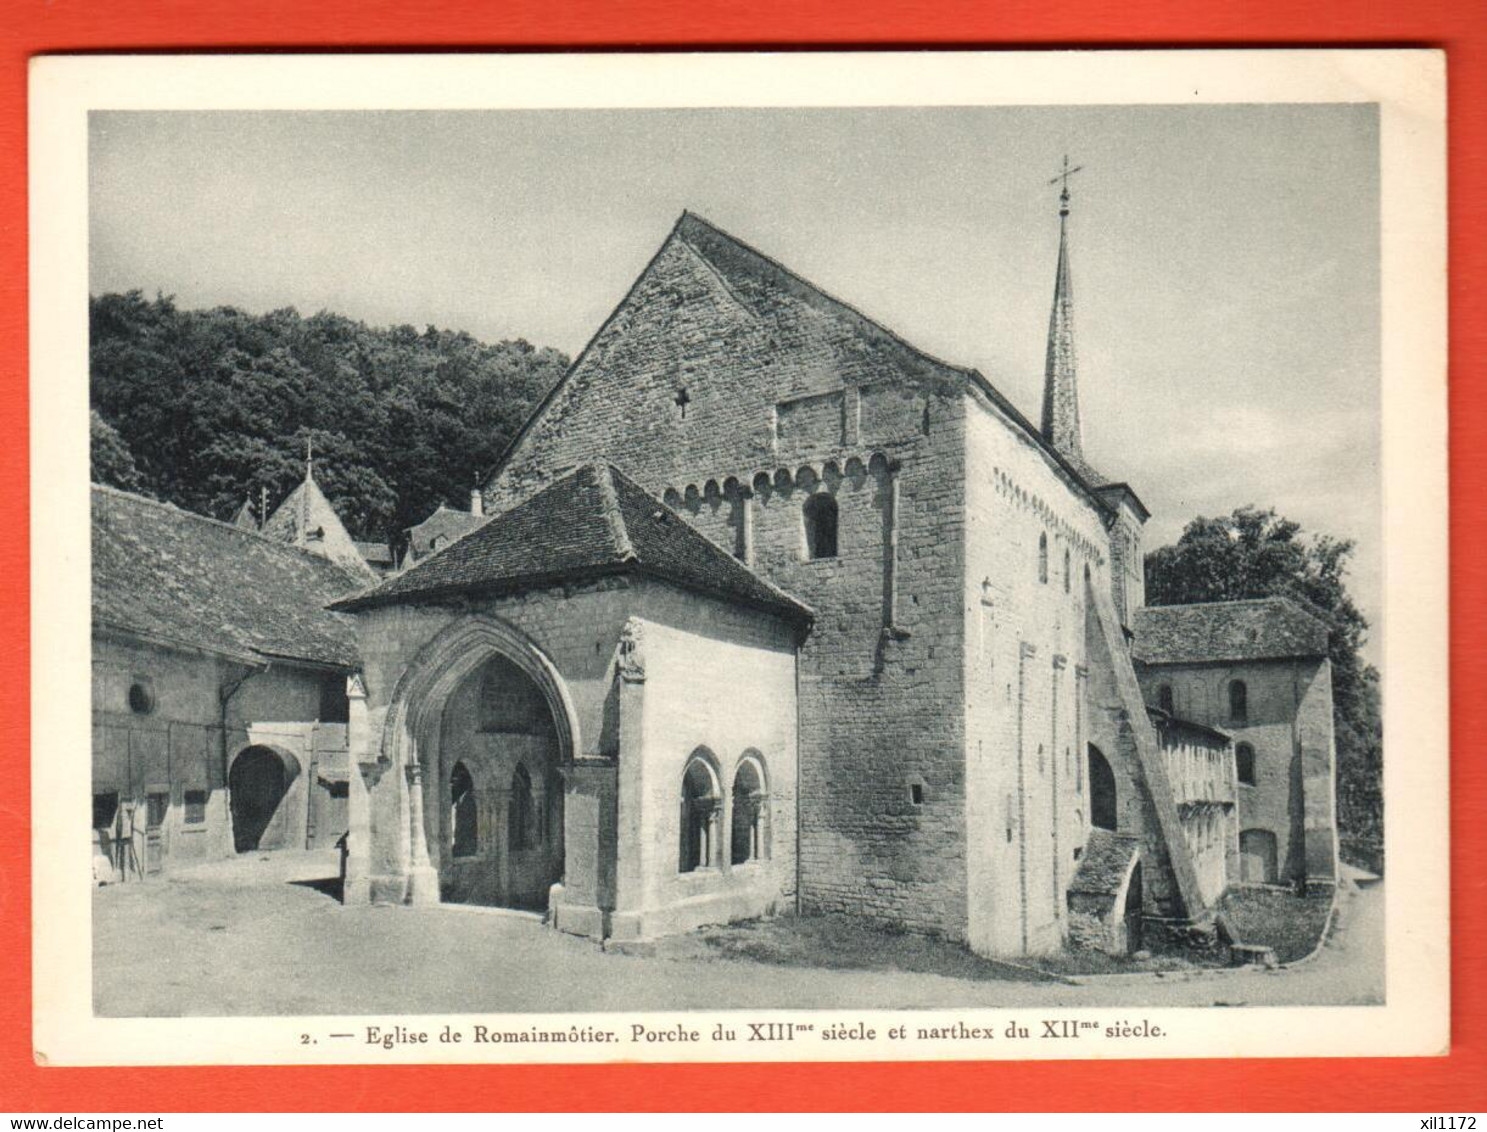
point(1457, 1083)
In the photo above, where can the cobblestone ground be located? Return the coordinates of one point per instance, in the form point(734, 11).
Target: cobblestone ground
point(265, 935)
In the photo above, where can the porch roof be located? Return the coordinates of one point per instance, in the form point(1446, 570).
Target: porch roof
point(594, 521)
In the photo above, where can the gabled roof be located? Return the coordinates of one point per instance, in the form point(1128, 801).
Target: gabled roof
point(306, 519)
point(1266, 628)
point(592, 522)
point(245, 518)
point(772, 291)
point(170, 576)
point(445, 524)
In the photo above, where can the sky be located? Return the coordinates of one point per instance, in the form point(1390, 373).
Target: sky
point(1225, 258)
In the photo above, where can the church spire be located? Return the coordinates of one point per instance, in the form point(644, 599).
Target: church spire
point(1060, 382)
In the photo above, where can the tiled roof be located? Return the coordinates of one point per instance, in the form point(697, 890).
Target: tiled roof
point(168, 575)
point(1104, 864)
point(591, 522)
point(444, 525)
point(1258, 629)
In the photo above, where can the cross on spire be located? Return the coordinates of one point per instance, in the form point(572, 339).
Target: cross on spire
point(309, 456)
point(1063, 175)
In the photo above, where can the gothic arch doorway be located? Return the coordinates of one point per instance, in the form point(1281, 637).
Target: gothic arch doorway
point(258, 785)
point(483, 725)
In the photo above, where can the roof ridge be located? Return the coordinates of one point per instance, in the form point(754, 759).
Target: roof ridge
point(165, 505)
point(609, 503)
point(790, 273)
point(723, 555)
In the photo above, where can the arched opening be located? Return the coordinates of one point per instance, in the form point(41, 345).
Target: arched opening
point(521, 810)
point(820, 513)
point(498, 738)
point(1257, 856)
point(1068, 574)
point(749, 813)
point(1102, 797)
point(464, 813)
point(1238, 701)
point(699, 816)
point(1244, 763)
point(257, 783)
point(1131, 914)
point(1043, 558)
point(1164, 699)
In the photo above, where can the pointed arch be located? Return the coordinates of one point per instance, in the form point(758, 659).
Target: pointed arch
point(443, 663)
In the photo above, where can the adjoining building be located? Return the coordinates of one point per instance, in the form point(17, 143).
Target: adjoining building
point(219, 690)
point(1260, 670)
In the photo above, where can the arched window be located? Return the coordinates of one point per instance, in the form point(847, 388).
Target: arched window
point(1102, 799)
point(1238, 701)
point(521, 812)
point(1244, 763)
point(464, 835)
point(1067, 578)
point(820, 526)
point(749, 813)
point(699, 817)
point(1164, 698)
point(1043, 558)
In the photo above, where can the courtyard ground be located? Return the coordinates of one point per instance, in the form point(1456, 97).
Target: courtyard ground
point(266, 935)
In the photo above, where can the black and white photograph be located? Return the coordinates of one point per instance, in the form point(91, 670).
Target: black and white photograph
point(569, 570)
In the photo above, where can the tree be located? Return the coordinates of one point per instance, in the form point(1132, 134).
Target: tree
point(110, 459)
point(1256, 553)
point(216, 405)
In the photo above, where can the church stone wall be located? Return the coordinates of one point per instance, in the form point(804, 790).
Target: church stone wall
point(778, 409)
point(1027, 814)
point(1288, 722)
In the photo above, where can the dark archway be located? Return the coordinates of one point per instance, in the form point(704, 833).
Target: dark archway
point(1132, 911)
point(257, 783)
point(1103, 803)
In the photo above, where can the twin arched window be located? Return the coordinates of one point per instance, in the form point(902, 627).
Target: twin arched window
point(820, 525)
point(702, 811)
point(701, 800)
point(748, 810)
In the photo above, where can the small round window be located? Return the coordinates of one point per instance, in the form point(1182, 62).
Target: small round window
point(142, 697)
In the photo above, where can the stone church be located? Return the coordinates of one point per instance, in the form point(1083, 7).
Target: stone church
point(770, 609)
point(767, 610)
